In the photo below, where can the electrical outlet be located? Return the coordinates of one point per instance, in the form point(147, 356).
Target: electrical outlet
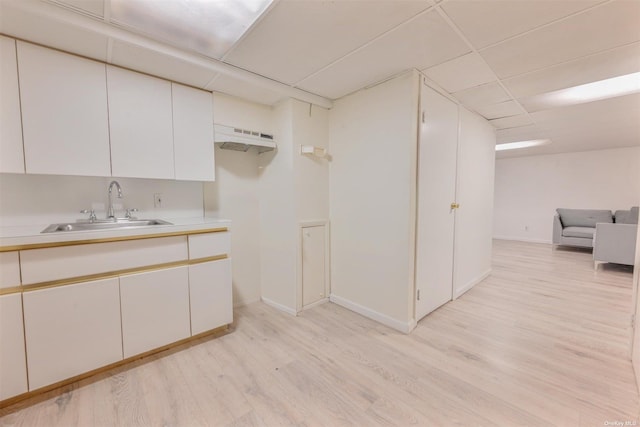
point(157, 200)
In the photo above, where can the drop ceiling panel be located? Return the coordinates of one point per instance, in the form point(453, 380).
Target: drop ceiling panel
point(461, 73)
point(499, 110)
point(490, 21)
point(38, 29)
point(604, 27)
point(92, 7)
point(612, 63)
point(151, 62)
point(487, 94)
point(421, 43)
point(511, 122)
point(297, 38)
point(245, 90)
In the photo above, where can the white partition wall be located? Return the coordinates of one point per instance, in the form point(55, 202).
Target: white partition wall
point(372, 197)
point(385, 187)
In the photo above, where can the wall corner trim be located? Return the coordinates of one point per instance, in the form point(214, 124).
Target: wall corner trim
point(398, 325)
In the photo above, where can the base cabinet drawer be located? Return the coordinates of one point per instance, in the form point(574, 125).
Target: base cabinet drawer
point(155, 309)
point(71, 330)
point(210, 294)
point(13, 368)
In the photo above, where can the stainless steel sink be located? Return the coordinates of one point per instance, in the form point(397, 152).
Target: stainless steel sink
point(103, 225)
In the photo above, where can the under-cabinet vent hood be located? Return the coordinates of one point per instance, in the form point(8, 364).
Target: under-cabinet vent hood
point(231, 138)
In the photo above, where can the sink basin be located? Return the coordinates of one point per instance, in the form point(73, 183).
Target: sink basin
point(103, 225)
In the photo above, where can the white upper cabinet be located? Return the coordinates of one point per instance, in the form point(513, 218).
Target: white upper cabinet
point(140, 121)
point(193, 133)
point(64, 113)
point(11, 152)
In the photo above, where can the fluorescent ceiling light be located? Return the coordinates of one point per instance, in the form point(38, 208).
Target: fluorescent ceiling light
point(522, 144)
point(595, 91)
point(209, 27)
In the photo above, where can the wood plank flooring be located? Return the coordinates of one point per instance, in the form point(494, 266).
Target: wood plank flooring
point(542, 342)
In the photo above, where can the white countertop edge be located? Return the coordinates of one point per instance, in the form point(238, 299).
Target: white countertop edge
point(31, 234)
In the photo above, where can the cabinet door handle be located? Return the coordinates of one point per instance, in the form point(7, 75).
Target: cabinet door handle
point(455, 205)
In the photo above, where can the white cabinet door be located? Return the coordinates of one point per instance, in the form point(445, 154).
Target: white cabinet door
point(71, 329)
point(437, 157)
point(193, 133)
point(155, 309)
point(313, 264)
point(64, 113)
point(13, 367)
point(210, 294)
point(140, 122)
point(11, 151)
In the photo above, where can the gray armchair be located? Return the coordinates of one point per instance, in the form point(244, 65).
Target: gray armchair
point(616, 242)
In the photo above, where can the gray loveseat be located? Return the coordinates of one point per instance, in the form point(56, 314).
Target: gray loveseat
point(617, 242)
point(576, 227)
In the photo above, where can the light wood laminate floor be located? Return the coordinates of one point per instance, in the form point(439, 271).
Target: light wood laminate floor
point(542, 341)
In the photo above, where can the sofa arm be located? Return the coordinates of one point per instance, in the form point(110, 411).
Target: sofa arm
point(557, 230)
point(615, 243)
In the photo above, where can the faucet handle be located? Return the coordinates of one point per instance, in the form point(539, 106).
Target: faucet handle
point(92, 214)
point(130, 211)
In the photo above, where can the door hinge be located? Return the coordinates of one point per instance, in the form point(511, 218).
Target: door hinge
point(418, 294)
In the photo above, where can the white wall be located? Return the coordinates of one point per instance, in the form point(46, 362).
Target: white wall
point(529, 189)
point(373, 140)
point(474, 193)
point(278, 216)
point(45, 199)
point(235, 193)
point(293, 188)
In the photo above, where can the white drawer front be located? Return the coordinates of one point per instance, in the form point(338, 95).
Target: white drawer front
point(209, 244)
point(9, 269)
point(44, 265)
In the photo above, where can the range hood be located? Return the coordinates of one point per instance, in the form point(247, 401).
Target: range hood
point(232, 138)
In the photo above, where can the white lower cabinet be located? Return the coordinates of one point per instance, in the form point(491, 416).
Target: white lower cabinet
point(13, 369)
point(71, 330)
point(155, 309)
point(210, 293)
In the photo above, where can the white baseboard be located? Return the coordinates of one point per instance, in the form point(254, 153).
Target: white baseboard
point(314, 304)
point(523, 239)
point(374, 315)
point(459, 292)
point(242, 303)
point(279, 306)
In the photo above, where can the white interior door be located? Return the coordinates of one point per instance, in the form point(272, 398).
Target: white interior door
point(313, 264)
point(437, 156)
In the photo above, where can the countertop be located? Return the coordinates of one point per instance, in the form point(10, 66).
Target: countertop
point(23, 235)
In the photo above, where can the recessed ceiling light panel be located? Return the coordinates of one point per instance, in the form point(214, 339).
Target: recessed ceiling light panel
point(522, 144)
point(209, 27)
point(595, 91)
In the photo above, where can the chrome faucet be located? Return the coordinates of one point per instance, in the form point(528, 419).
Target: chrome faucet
point(110, 212)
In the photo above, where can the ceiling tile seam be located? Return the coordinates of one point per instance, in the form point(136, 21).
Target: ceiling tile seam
point(373, 40)
point(212, 80)
point(250, 30)
point(558, 64)
point(548, 24)
point(460, 34)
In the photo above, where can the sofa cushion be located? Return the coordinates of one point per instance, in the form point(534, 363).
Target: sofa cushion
point(583, 217)
point(584, 232)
